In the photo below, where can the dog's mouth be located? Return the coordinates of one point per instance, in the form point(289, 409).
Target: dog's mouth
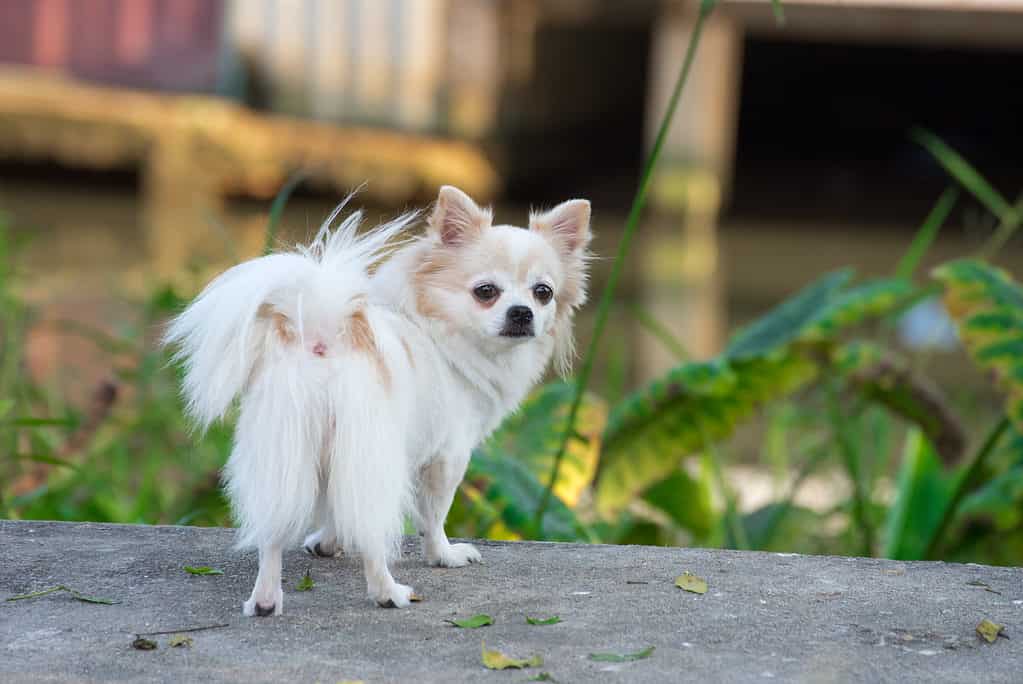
point(522, 330)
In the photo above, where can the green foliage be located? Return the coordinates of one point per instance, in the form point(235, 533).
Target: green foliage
point(987, 305)
point(568, 467)
point(923, 493)
point(651, 430)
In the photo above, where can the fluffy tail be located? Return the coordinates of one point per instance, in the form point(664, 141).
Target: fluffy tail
point(222, 336)
point(288, 332)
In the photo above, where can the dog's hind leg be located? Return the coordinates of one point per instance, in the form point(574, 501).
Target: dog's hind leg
point(436, 488)
point(323, 542)
point(267, 596)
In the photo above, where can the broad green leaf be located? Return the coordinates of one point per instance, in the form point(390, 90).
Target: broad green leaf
point(5, 406)
point(690, 582)
point(495, 660)
point(888, 380)
point(474, 622)
point(787, 321)
point(686, 500)
point(780, 526)
point(622, 657)
point(987, 306)
point(1001, 496)
point(652, 430)
point(989, 631)
point(202, 570)
point(543, 621)
point(533, 433)
point(851, 307)
point(921, 498)
point(306, 583)
point(515, 492)
point(969, 177)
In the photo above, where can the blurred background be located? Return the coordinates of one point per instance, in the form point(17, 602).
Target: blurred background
point(142, 143)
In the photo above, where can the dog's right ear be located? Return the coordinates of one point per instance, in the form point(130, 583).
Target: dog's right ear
point(456, 219)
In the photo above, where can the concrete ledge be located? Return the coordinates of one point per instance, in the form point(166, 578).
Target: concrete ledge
point(766, 616)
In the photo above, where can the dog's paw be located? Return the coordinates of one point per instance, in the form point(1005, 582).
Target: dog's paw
point(262, 606)
point(316, 544)
point(456, 556)
point(394, 596)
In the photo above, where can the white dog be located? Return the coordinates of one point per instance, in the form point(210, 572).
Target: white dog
point(363, 396)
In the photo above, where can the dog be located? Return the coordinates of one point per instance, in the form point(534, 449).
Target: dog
point(368, 371)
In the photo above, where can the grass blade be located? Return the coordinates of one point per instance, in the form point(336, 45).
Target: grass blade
point(969, 177)
point(277, 208)
point(925, 236)
point(779, 12)
point(659, 331)
point(631, 223)
point(966, 483)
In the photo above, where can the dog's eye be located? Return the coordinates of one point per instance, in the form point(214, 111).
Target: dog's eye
point(542, 293)
point(487, 292)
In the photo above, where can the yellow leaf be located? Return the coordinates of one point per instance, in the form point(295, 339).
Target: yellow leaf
point(180, 640)
point(989, 631)
point(691, 582)
point(580, 464)
point(495, 660)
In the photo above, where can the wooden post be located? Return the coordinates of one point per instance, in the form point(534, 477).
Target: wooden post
point(679, 252)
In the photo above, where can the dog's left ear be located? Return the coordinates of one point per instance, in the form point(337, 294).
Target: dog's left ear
point(566, 225)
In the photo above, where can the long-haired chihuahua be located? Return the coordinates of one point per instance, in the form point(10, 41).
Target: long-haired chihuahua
point(368, 372)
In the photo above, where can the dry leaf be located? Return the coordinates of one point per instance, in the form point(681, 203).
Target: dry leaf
point(179, 640)
point(495, 660)
point(691, 582)
point(989, 631)
point(474, 622)
point(143, 644)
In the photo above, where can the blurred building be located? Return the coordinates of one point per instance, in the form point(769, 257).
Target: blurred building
point(784, 129)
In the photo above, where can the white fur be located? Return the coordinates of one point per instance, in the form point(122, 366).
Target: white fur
point(333, 436)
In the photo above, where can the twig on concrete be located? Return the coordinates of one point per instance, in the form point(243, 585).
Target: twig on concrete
point(185, 629)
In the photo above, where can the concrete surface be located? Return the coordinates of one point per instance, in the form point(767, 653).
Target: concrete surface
point(765, 617)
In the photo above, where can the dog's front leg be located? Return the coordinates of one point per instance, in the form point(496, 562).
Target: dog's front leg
point(381, 585)
point(267, 596)
point(438, 482)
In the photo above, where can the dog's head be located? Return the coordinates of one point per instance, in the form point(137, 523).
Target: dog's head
point(503, 284)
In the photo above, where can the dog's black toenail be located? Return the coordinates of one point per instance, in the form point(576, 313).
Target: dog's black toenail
point(265, 611)
point(389, 603)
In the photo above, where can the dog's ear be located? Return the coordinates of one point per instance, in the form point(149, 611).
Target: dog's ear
point(456, 219)
point(566, 225)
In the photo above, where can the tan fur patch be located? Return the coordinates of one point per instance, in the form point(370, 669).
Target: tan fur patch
point(436, 270)
point(280, 322)
point(364, 341)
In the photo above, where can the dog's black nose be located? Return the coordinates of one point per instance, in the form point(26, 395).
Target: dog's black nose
point(520, 314)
